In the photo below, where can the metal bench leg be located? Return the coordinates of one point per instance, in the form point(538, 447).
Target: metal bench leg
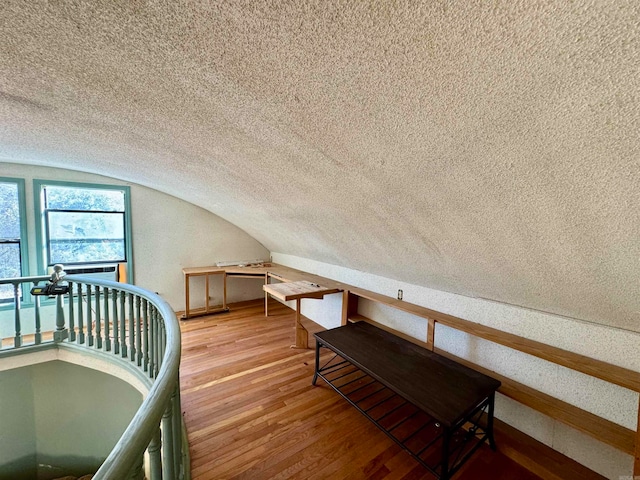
point(492, 442)
point(446, 438)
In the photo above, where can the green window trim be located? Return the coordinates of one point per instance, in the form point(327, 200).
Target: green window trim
point(40, 225)
point(24, 239)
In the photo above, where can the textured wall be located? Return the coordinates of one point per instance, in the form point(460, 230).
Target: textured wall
point(483, 148)
point(610, 345)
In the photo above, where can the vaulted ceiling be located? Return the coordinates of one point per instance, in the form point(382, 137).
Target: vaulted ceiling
point(486, 148)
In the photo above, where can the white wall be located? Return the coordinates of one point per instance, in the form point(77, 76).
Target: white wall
point(18, 458)
point(70, 416)
point(80, 414)
point(168, 235)
point(614, 346)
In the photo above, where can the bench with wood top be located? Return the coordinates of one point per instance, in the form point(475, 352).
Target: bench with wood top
point(436, 409)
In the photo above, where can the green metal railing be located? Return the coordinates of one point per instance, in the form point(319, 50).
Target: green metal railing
point(135, 328)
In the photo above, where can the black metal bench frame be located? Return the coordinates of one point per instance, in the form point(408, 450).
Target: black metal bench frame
point(440, 445)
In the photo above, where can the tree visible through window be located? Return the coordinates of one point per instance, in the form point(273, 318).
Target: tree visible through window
point(84, 225)
point(10, 260)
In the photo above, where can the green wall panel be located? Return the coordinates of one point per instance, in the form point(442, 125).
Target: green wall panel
point(58, 418)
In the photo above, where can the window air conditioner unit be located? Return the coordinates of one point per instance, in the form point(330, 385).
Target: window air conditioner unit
point(104, 272)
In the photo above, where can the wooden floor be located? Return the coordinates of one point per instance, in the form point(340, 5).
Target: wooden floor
point(252, 413)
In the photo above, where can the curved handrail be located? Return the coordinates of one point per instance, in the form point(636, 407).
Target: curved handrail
point(162, 403)
point(135, 439)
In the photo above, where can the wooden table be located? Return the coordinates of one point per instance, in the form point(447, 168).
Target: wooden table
point(203, 272)
point(297, 291)
point(229, 271)
point(285, 291)
point(436, 409)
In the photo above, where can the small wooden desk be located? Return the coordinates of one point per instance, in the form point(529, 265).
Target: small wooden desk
point(231, 271)
point(297, 291)
point(439, 411)
point(203, 272)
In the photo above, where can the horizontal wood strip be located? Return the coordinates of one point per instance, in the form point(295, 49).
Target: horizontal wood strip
point(409, 338)
point(287, 274)
point(597, 427)
point(605, 371)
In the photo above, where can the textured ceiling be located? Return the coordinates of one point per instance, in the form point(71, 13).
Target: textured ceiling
point(486, 148)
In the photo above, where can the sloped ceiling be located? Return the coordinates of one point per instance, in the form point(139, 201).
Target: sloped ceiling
point(486, 148)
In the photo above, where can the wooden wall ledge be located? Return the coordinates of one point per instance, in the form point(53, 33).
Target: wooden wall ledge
point(608, 372)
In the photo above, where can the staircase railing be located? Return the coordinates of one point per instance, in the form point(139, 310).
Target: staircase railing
point(134, 327)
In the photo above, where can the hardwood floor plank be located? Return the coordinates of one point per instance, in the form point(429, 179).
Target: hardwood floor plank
point(252, 413)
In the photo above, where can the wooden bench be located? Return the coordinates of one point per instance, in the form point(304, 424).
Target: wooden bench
point(439, 411)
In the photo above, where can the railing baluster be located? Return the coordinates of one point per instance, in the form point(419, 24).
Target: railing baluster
point(89, 317)
point(167, 441)
point(145, 335)
point(81, 337)
point(152, 338)
point(116, 330)
point(38, 336)
point(17, 339)
point(138, 331)
point(61, 332)
point(158, 345)
point(155, 456)
point(72, 316)
point(98, 319)
point(123, 338)
point(132, 340)
point(163, 342)
point(177, 430)
point(107, 321)
point(137, 472)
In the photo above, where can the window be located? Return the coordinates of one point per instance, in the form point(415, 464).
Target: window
point(12, 247)
point(83, 223)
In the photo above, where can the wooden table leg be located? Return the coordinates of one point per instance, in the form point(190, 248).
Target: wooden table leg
point(224, 291)
point(302, 336)
point(206, 293)
point(636, 462)
point(186, 297)
point(266, 296)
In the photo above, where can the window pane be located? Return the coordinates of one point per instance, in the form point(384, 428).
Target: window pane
point(9, 267)
point(85, 237)
point(69, 198)
point(9, 237)
point(9, 211)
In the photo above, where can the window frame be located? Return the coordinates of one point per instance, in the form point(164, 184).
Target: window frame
point(41, 221)
point(24, 238)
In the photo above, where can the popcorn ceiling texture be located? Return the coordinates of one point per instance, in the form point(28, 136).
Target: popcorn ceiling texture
point(489, 149)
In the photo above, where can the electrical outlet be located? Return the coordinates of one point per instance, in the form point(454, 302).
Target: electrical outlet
point(399, 294)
